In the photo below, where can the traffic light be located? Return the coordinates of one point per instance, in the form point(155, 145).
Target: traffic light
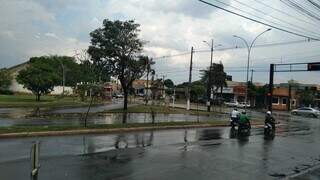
point(314, 66)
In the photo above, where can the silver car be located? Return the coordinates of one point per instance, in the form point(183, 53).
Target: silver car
point(306, 111)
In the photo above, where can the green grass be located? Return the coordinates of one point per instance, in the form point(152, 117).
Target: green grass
point(28, 129)
point(158, 110)
point(45, 101)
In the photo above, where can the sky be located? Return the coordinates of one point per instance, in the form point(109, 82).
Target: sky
point(46, 27)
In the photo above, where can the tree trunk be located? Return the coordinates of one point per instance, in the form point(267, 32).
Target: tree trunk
point(38, 97)
point(125, 103)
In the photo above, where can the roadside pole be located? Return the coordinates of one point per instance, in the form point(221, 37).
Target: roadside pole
point(270, 87)
point(190, 78)
point(174, 96)
point(35, 166)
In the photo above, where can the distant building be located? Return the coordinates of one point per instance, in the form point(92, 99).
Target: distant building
point(18, 88)
point(281, 98)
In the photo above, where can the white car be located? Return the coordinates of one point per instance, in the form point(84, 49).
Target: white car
point(242, 105)
point(307, 111)
point(232, 104)
point(119, 96)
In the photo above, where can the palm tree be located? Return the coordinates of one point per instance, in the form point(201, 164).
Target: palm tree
point(218, 75)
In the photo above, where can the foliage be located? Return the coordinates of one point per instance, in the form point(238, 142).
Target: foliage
point(197, 91)
point(91, 89)
point(39, 77)
point(168, 83)
point(91, 71)
point(218, 75)
point(5, 81)
point(156, 85)
point(116, 49)
point(306, 97)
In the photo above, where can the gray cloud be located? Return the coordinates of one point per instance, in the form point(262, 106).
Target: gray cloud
point(42, 27)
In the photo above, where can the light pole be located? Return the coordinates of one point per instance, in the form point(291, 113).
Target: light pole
point(248, 61)
point(209, 74)
point(63, 76)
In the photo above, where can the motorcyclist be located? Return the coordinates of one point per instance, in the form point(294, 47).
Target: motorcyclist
point(235, 115)
point(244, 119)
point(269, 119)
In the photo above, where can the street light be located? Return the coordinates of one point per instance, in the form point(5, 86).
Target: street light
point(63, 76)
point(209, 78)
point(248, 62)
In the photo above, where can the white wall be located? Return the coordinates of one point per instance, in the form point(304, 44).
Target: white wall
point(16, 87)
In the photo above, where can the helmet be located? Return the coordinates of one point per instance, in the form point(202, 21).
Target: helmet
point(268, 112)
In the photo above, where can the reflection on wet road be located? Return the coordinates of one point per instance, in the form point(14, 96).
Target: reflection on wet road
point(73, 116)
point(208, 153)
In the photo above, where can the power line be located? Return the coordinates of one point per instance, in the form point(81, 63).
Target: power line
point(314, 4)
point(236, 47)
point(299, 8)
point(276, 18)
point(285, 13)
point(258, 21)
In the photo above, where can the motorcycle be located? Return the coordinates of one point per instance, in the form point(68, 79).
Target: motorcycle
point(234, 122)
point(244, 127)
point(269, 128)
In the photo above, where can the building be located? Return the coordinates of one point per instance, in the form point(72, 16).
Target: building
point(281, 98)
point(18, 88)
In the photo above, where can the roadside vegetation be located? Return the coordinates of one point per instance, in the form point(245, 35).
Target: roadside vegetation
point(157, 110)
point(59, 130)
point(46, 101)
point(29, 129)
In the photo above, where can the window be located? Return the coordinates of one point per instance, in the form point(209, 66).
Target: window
point(275, 100)
point(284, 101)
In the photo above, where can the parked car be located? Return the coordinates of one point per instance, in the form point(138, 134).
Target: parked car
point(232, 104)
point(119, 96)
point(243, 104)
point(140, 95)
point(306, 111)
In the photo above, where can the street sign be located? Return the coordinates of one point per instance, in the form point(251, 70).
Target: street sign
point(314, 66)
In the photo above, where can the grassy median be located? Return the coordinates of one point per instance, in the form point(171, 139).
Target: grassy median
point(117, 127)
point(21, 100)
point(159, 110)
point(28, 129)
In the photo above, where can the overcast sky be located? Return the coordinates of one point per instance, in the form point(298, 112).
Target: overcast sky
point(45, 27)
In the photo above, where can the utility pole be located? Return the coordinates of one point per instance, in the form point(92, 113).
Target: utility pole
point(252, 75)
point(190, 78)
point(209, 85)
point(147, 89)
point(174, 96)
point(270, 87)
point(163, 91)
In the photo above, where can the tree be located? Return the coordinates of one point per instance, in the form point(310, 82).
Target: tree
point(116, 49)
point(168, 83)
point(91, 71)
point(39, 77)
point(5, 80)
point(306, 97)
point(218, 75)
point(197, 90)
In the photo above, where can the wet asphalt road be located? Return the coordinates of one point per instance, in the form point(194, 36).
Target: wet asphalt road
point(213, 153)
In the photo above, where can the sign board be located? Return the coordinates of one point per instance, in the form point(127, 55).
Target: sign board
point(314, 66)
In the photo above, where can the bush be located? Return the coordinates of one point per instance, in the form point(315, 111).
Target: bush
point(6, 92)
